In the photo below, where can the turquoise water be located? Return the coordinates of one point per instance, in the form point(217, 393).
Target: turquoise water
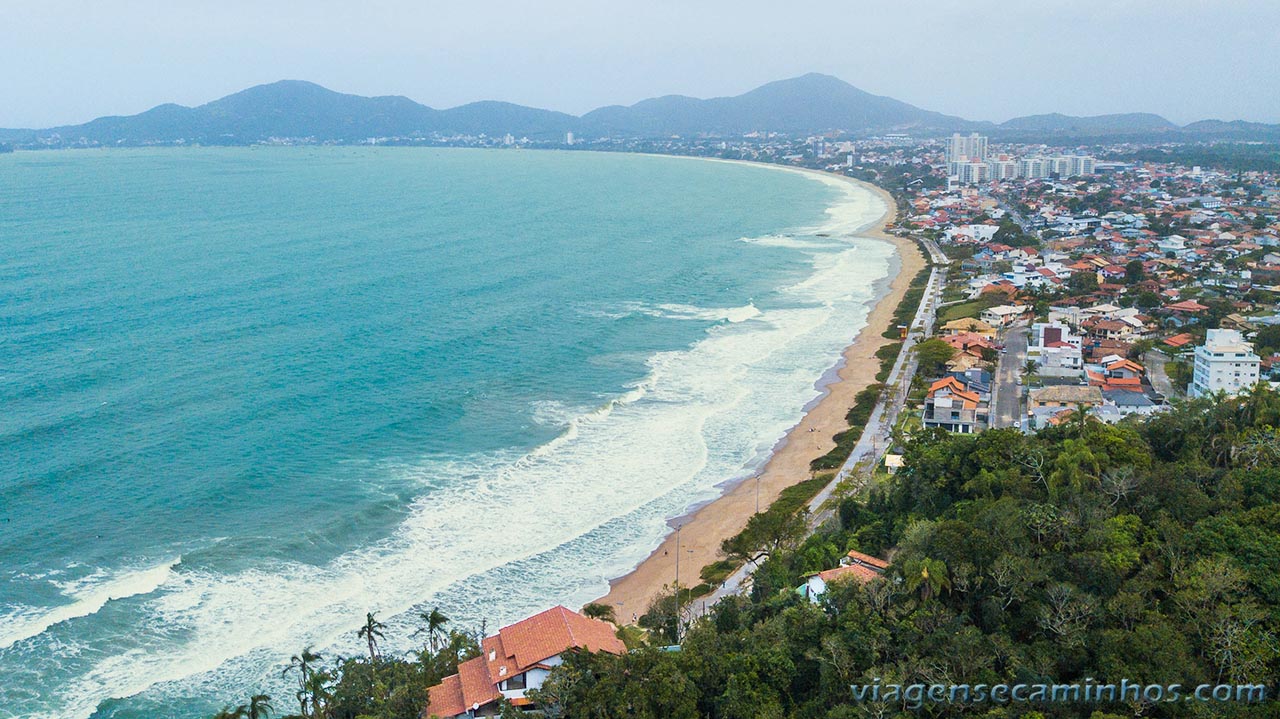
point(251, 394)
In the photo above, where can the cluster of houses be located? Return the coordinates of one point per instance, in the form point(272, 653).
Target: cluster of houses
point(1102, 269)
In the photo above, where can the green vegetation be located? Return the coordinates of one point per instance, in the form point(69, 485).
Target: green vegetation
point(1229, 156)
point(970, 309)
point(1149, 552)
point(932, 356)
point(905, 312)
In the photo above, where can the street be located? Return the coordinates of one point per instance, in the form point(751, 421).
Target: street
point(1006, 393)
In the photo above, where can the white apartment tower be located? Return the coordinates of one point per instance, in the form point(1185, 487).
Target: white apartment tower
point(1224, 363)
point(971, 148)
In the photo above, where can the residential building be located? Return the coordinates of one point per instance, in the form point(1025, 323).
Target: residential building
point(952, 404)
point(971, 148)
point(1004, 315)
point(516, 659)
point(1224, 363)
point(855, 566)
point(1065, 396)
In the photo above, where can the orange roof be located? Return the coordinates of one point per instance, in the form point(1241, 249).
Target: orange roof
point(552, 632)
point(1125, 364)
point(477, 684)
point(860, 572)
point(857, 556)
point(945, 382)
point(445, 699)
point(515, 649)
point(1186, 306)
point(1179, 340)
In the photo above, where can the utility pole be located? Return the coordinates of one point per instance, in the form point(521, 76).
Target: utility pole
point(678, 528)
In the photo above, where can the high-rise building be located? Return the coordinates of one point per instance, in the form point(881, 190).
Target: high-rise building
point(1224, 363)
point(1003, 168)
point(568, 138)
point(1035, 167)
point(1083, 165)
point(971, 173)
point(970, 148)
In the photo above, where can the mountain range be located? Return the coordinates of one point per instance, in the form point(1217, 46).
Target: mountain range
point(808, 104)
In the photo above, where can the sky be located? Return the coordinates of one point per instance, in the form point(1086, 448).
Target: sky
point(68, 61)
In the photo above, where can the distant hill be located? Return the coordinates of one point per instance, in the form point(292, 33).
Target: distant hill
point(1056, 123)
point(808, 104)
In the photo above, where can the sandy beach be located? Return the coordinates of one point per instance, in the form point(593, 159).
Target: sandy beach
point(702, 532)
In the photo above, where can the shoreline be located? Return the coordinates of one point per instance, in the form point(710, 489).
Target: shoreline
point(704, 527)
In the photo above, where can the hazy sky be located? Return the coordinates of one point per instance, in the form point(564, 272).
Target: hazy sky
point(68, 61)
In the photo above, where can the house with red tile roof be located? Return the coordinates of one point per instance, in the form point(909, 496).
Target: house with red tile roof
point(856, 566)
point(953, 405)
point(515, 660)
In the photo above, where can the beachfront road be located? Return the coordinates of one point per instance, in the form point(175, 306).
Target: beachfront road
point(873, 442)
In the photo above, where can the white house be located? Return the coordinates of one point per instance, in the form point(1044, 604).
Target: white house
point(1003, 315)
point(1224, 363)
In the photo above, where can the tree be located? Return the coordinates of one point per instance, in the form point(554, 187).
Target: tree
point(304, 664)
point(1147, 299)
point(1083, 282)
point(433, 626)
point(932, 356)
point(259, 707)
point(597, 610)
point(371, 632)
point(1134, 272)
point(925, 575)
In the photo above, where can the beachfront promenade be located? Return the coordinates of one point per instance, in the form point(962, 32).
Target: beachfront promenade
point(874, 440)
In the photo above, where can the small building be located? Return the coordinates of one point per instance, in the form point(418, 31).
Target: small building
point(856, 566)
point(1004, 315)
point(968, 325)
point(516, 659)
point(1066, 396)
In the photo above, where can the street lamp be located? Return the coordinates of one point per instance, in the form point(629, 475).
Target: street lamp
point(678, 528)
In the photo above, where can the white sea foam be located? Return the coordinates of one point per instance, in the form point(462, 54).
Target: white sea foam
point(506, 536)
point(87, 595)
point(791, 242)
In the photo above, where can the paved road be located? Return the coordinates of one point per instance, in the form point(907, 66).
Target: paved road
point(1006, 393)
point(871, 445)
point(1155, 361)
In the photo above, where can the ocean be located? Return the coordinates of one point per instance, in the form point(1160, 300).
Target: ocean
point(251, 394)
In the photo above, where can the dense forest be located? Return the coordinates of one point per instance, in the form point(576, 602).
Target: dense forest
point(1147, 551)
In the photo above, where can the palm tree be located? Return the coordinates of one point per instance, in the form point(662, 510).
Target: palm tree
point(371, 632)
point(434, 622)
point(305, 665)
point(927, 575)
point(260, 707)
point(228, 713)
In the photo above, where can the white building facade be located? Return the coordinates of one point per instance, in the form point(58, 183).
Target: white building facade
point(1224, 363)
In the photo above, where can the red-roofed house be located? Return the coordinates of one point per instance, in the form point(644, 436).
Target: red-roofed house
point(954, 406)
point(515, 660)
point(855, 565)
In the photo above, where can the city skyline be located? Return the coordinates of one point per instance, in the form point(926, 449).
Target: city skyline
point(1089, 59)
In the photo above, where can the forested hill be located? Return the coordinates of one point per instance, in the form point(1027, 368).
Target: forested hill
point(1148, 552)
